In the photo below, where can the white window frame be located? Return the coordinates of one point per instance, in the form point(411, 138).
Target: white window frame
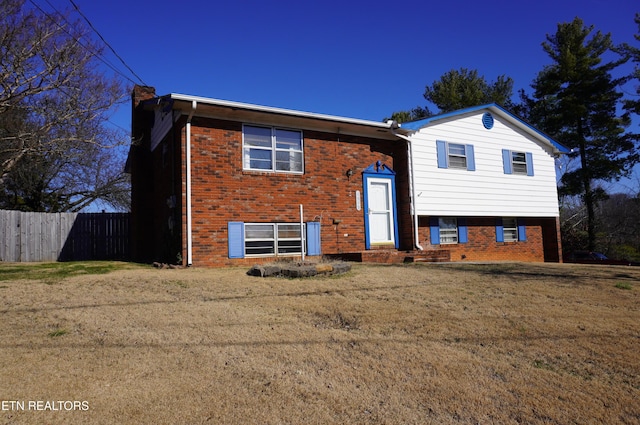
point(274, 241)
point(452, 157)
point(254, 244)
point(510, 229)
point(448, 235)
point(283, 241)
point(276, 152)
point(519, 163)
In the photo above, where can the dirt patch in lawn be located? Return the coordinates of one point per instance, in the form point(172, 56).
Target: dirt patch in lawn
point(412, 344)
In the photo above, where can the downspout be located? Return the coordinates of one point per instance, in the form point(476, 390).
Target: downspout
point(194, 105)
point(416, 233)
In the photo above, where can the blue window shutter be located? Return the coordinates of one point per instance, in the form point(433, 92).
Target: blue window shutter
point(442, 154)
point(463, 236)
point(499, 230)
point(236, 239)
point(522, 230)
point(434, 224)
point(529, 160)
point(313, 238)
point(506, 160)
point(471, 160)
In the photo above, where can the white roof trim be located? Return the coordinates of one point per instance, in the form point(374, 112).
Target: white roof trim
point(279, 111)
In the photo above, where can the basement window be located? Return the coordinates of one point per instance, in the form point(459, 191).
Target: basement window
point(448, 230)
point(272, 238)
point(510, 229)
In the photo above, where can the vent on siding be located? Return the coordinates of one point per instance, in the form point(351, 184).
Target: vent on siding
point(487, 120)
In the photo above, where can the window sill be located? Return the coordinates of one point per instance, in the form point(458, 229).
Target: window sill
point(271, 172)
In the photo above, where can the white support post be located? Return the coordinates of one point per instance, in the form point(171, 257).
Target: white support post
point(302, 238)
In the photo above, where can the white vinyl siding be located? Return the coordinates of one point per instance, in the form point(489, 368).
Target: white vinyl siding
point(487, 191)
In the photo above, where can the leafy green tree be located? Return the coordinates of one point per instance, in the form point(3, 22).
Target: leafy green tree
point(57, 152)
point(575, 100)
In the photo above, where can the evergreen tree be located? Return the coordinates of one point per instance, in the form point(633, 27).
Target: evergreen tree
point(633, 105)
point(414, 114)
point(575, 100)
point(459, 89)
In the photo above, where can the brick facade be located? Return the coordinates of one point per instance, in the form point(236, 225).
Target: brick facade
point(482, 244)
point(222, 191)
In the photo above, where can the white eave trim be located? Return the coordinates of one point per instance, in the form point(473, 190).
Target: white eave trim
point(279, 111)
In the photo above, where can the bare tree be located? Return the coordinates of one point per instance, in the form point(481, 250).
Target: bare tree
point(619, 234)
point(56, 149)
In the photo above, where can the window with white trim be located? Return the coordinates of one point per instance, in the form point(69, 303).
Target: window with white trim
point(448, 230)
point(516, 162)
point(272, 149)
point(510, 229)
point(272, 239)
point(519, 162)
point(455, 155)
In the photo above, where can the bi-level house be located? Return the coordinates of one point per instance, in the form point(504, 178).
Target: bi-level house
point(219, 183)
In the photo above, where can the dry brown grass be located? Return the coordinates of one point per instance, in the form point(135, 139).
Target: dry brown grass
point(415, 344)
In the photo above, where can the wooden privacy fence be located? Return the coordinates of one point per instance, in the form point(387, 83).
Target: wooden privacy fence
point(28, 236)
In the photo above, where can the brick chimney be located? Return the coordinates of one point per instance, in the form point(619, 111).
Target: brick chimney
point(142, 93)
point(141, 120)
point(140, 166)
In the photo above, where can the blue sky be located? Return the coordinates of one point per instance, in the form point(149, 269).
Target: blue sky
point(358, 59)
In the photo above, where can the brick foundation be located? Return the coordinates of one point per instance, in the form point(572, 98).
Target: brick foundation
point(482, 245)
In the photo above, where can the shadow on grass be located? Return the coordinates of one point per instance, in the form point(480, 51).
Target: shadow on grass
point(529, 271)
point(349, 338)
point(239, 297)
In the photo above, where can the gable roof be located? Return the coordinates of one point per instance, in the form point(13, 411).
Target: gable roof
point(497, 110)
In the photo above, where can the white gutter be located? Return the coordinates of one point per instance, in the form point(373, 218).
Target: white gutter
point(303, 243)
point(194, 105)
point(279, 111)
point(416, 233)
